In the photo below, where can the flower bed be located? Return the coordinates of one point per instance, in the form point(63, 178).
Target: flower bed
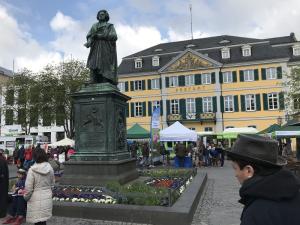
point(162, 188)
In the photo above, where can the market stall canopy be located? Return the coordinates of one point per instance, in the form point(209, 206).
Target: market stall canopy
point(137, 132)
point(177, 132)
point(63, 142)
point(274, 127)
point(288, 131)
point(231, 133)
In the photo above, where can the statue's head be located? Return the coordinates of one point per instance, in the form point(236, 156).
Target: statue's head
point(103, 12)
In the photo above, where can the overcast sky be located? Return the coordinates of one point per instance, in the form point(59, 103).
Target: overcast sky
point(34, 33)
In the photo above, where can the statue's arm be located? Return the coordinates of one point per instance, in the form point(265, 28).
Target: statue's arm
point(112, 34)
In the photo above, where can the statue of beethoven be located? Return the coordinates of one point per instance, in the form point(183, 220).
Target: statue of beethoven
point(102, 59)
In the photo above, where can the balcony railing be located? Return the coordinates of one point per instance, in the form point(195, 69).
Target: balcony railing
point(201, 117)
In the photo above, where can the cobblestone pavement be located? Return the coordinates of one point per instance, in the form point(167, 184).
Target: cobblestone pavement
point(218, 204)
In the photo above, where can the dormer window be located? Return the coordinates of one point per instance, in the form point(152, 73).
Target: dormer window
point(296, 50)
point(155, 61)
point(225, 53)
point(246, 50)
point(138, 63)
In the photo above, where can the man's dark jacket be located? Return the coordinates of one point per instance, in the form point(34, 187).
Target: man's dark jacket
point(271, 200)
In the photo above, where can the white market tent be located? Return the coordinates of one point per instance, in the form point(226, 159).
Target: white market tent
point(177, 132)
point(63, 142)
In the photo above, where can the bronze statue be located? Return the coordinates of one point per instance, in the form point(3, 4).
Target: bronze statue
point(102, 60)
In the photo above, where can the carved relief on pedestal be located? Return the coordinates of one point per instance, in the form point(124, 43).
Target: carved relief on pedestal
point(120, 130)
point(189, 61)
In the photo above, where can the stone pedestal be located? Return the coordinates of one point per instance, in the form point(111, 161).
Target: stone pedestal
point(100, 138)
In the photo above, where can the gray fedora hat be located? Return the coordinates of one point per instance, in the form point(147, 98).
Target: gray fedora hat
point(257, 149)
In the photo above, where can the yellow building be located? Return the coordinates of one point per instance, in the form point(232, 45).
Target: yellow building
point(210, 84)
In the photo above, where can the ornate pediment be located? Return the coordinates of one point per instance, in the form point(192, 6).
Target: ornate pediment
point(189, 61)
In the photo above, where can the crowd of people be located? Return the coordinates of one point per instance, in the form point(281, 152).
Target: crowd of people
point(31, 195)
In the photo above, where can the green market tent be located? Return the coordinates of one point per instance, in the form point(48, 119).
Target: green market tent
point(137, 132)
point(232, 133)
point(274, 127)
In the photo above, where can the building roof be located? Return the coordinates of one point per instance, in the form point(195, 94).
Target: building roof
point(262, 49)
point(5, 72)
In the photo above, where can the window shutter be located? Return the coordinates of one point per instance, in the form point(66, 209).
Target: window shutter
point(215, 104)
point(161, 108)
point(149, 108)
point(149, 84)
point(132, 109)
point(241, 76)
point(168, 107)
point(222, 103)
point(160, 86)
point(234, 77)
point(221, 77)
point(213, 77)
point(281, 101)
point(243, 103)
point(127, 110)
point(143, 85)
point(263, 74)
point(199, 108)
point(182, 108)
point(279, 72)
point(256, 74)
point(197, 79)
point(167, 82)
point(131, 85)
point(126, 86)
point(181, 81)
point(236, 103)
point(257, 99)
point(144, 109)
point(265, 99)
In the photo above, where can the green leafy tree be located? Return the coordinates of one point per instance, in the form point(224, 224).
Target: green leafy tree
point(293, 94)
point(18, 94)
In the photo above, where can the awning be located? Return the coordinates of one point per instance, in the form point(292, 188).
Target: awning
point(288, 131)
point(137, 132)
point(63, 142)
point(232, 133)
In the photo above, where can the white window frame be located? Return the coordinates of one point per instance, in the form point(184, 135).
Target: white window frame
point(155, 61)
point(189, 80)
point(138, 85)
point(207, 104)
point(246, 50)
point(155, 104)
point(138, 63)
point(121, 86)
point(273, 101)
point(138, 109)
point(190, 108)
point(296, 50)
point(206, 78)
point(155, 83)
point(227, 77)
point(248, 75)
point(174, 106)
point(271, 73)
point(173, 80)
point(225, 52)
point(250, 102)
point(229, 103)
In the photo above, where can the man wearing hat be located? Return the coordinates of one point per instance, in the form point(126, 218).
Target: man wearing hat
point(269, 193)
point(3, 184)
